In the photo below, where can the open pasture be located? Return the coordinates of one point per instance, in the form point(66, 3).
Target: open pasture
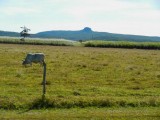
point(80, 77)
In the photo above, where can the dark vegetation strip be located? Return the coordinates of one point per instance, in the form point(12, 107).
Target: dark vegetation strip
point(121, 44)
point(81, 103)
point(100, 44)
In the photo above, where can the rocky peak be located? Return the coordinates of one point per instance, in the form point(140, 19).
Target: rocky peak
point(87, 29)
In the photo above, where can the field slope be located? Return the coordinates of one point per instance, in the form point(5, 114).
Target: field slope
point(80, 77)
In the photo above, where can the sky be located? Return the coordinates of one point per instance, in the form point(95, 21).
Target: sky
point(138, 17)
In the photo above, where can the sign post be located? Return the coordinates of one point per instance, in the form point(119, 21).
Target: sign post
point(37, 58)
point(44, 81)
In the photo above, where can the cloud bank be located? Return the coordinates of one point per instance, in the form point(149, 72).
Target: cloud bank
point(139, 17)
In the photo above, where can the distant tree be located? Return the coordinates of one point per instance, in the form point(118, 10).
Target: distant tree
point(24, 33)
point(81, 41)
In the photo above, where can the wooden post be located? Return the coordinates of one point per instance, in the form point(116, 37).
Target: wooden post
point(44, 80)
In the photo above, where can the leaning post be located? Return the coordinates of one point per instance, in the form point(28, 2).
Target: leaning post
point(44, 81)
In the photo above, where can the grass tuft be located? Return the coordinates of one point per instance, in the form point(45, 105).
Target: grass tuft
point(40, 103)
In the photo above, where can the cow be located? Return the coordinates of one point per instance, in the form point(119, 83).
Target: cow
point(34, 58)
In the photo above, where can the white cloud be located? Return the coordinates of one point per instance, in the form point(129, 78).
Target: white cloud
point(18, 10)
point(120, 16)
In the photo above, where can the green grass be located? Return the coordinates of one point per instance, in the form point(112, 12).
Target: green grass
point(37, 41)
point(85, 113)
point(80, 77)
point(123, 44)
point(95, 43)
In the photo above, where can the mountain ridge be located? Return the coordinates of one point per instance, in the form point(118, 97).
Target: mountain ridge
point(86, 34)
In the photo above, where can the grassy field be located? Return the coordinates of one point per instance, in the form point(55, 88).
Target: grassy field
point(84, 114)
point(92, 82)
point(123, 44)
point(37, 41)
point(89, 43)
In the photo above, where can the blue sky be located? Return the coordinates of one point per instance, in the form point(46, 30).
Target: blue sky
point(140, 17)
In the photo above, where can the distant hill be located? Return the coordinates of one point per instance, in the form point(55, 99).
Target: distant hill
point(86, 34)
point(8, 33)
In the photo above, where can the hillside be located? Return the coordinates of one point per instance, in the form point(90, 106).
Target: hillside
point(8, 33)
point(86, 34)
